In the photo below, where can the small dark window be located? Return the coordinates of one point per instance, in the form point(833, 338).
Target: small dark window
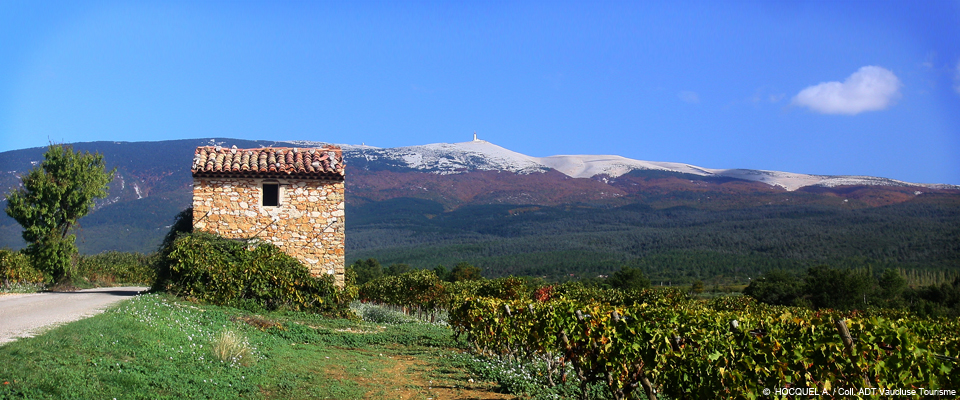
point(271, 194)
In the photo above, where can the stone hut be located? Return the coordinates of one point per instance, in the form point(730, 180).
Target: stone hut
point(291, 197)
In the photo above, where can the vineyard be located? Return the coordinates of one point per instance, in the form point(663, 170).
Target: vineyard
point(659, 343)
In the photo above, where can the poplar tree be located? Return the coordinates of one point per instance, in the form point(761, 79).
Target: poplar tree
point(53, 196)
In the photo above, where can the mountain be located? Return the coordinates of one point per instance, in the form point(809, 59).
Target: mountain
point(480, 155)
point(457, 174)
point(512, 213)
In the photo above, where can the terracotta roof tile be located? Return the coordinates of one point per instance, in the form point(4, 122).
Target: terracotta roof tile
point(270, 162)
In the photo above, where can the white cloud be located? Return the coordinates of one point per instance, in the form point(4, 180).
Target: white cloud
point(689, 97)
point(871, 88)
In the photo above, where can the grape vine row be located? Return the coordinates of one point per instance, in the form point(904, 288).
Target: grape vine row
point(725, 348)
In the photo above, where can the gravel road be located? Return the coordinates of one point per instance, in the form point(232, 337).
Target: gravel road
point(23, 315)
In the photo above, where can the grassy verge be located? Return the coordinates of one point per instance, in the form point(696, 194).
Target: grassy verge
point(155, 347)
point(16, 288)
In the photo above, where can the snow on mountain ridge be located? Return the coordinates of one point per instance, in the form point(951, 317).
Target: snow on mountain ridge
point(587, 166)
point(453, 158)
point(479, 154)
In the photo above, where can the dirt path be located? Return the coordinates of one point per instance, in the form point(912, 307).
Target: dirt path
point(413, 380)
point(24, 315)
point(407, 377)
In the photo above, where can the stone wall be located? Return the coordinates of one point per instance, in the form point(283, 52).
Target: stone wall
point(308, 224)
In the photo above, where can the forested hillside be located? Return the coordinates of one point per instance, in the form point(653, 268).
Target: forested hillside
point(671, 244)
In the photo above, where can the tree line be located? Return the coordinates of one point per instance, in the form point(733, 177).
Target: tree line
point(825, 287)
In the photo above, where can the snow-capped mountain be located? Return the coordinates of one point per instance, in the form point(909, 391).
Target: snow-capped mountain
point(480, 155)
point(451, 158)
point(430, 180)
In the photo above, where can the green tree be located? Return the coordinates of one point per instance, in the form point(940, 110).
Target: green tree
point(465, 272)
point(941, 300)
point(182, 223)
point(843, 289)
point(397, 269)
point(777, 287)
point(366, 270)
point(441, 272)
point(628, 278)
point(891, 284)
point(54, 196)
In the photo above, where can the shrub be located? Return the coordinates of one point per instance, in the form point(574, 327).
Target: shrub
point(244, 274)
point(465, 272)
point(656, 295)
point(420, 288)
point(628, 278)
point(776, 287)
point(509, 288)
point(381, 315)
point(182, 225)
point(543, 294)
point(112, 267)
point(15, 269)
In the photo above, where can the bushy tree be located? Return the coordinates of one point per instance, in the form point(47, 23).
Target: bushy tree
point(54, 196)
point(777, 287)
point(891, 285)
point(843, 289)
point(365, 270)
point(397, 269)
point(182, 223)
point(936, 300)
point(628, 278)
point(465, 272)
point(441, 272)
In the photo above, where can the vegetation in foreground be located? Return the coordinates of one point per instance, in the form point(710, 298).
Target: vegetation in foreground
point(248, 274)
point(111, 268)
point(583, 340)
point(158, 347)
point(606, 339)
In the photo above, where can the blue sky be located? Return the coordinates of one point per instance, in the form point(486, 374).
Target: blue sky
point(852, 87)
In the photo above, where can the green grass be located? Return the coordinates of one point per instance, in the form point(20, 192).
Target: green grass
point(157, 347)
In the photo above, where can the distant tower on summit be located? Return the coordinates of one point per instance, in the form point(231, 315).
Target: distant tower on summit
point(475, 136)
